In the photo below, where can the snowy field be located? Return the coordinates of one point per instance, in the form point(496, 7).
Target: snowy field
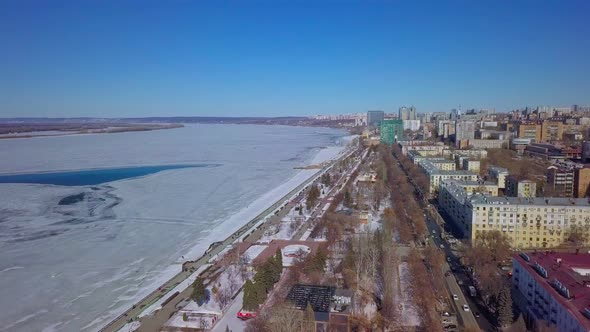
point(74, 267)
point(409, 315)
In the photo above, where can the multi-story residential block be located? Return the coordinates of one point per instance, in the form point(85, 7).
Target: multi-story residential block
point(471, 165)
point(487, 143)
point(560, 182)
point(499, 175)
point(520, 188)
point(422, 146)
point(582, 182)
point(554, 288)
point(464, 131)
point(531, 131)
point(412, 125)
point(552, 130)
point(445, 128)
point(435, 175)
point(540, 222)
point(407, 113)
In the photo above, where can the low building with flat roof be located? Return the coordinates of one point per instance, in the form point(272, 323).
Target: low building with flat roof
point(555, 288)
point(435, 175)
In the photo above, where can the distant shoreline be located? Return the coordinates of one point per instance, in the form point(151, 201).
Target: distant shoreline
point(29, 130)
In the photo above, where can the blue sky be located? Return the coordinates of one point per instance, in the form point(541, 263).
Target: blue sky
point(276, 58)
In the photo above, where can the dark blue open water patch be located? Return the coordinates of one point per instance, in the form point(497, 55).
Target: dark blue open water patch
point(91, 177)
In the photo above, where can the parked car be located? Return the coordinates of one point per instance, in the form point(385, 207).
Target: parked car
point(465, 307)
point(448, 259)
point(245, 315)
point(455, 297)
point(477, 314)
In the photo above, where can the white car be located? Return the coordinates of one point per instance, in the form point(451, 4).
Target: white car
point(465, 307)
point(455, 297)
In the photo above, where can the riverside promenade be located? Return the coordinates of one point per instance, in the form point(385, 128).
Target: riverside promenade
point(189, 267)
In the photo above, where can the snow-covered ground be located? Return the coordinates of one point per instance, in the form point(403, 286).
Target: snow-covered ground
point(409, 315)
point(230, 318)
point(253, 252)
point(179, 288)
point(74, 267)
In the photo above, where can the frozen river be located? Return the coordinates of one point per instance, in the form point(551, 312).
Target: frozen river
point(74, 265)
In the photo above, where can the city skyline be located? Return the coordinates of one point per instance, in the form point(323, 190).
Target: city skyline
point(269, 59)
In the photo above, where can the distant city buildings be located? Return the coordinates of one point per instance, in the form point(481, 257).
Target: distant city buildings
point(392, 130)
point(407, 113)
point(374, 118)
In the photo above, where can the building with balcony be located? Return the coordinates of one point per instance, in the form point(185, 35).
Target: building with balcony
point(539, 222)
point(560, 182)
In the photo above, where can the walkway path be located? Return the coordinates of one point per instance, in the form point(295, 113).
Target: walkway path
point(134, 312)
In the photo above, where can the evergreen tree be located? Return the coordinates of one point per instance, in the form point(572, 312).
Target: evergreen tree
point(504, 307)
point(312, 196)
point(347, 199)
point(248, 299)
point(199, 294)
point(278, 263)
point(265, 276)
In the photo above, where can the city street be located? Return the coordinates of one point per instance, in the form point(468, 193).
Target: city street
point(454, 278)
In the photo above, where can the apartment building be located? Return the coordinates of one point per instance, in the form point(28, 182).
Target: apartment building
point(498, 174)
point(530, 131)
point(471, 165)
point(435, 175)
point(560, 182)
point(527, 222)
point(520, 188)
point(554, 288)
point(552, 130)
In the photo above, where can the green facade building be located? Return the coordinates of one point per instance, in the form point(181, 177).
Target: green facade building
point(392, 130)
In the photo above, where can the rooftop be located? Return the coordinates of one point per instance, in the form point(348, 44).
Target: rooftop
point(454, 187)
point(572, 273)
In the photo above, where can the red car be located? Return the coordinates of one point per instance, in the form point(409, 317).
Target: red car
point(245, 315)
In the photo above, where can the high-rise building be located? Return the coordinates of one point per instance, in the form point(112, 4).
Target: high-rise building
point(464, 131)
point(392, 130)
point(374, 118)
point(407, 113)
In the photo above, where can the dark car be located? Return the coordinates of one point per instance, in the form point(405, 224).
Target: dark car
point(477, 314)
